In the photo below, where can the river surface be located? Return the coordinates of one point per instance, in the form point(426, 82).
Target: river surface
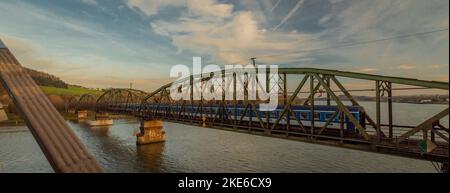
point(197, 149)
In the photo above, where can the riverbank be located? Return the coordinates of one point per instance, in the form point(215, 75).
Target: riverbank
point(16, 120)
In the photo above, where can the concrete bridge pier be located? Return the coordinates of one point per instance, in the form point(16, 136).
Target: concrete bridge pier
point(444, 167)
point(151, 132)
point(82, 114)
point(3, 116)
point(101, 119)
point(71, 111)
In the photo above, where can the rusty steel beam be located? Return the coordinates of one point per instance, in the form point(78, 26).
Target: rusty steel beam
point(343, 108)
point(58, 142)
point(378, 109)
point(362, 76)
point(354, 102)
point(426, 125)
point(291, 99)
point(390, 111)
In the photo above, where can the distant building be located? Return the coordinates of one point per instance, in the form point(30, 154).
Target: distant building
point(423, 101)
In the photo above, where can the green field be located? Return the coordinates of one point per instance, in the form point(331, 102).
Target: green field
point(69, 91)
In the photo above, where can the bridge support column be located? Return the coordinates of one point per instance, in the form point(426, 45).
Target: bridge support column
point(101, 119)
point(3, 116)
point(151, 132)
point(82, 114)
point(444, 167)
point(71, 111)
point(203, 120)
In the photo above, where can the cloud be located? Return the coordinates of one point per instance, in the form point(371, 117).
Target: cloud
point(151, 7)
point(366, 70)
point(243, 33)
point(406, 67)
point(232, 40)
point(367, 18)
point(143, 84)
point(290, 14)
point(90, 2)
point(195, 7)
point(324, 19)
point(28, 55)
point(209, 8)
point(275, 6)
point(437, 66)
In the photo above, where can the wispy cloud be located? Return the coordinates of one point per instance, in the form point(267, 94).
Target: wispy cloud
point(290, 14)
point(90, 2)
point(406, 67)
point(229, 40)
point(196, 7)
point(366, 70)
point(29, 55)
point(275, 6)
point(437, 66)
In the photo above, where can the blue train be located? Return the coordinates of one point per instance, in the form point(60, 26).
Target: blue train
point(322, 113)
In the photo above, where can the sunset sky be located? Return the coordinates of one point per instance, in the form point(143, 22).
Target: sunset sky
point(110, 43)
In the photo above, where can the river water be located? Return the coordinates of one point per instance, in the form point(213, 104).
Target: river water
point(197, 149)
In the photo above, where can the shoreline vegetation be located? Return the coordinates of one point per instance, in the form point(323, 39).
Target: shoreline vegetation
point(15, 120)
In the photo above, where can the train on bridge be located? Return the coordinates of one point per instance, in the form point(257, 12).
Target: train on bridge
point(322, 113)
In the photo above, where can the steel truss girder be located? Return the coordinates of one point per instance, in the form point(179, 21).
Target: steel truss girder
point(424, 126)
point(344, 109)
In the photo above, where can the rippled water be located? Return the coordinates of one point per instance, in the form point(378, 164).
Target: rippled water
point(196, 149)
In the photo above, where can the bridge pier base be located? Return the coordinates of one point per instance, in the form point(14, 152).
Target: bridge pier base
point(101, 119)
point(71, 111)
point(82, 114)
point(151, 132)
point(3, 116)
point(444, 167)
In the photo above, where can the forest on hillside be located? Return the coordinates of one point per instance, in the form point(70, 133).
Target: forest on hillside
point(45, 79)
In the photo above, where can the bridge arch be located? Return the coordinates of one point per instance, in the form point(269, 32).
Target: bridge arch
point(162, 96)
point(72, 103)
point(120, 100)
point(86, 102)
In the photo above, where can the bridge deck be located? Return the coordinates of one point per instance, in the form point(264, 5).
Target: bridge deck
point(235, 118)
point(344, 136)
point(59, 143)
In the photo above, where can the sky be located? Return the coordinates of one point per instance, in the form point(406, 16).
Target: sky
point(110, 43)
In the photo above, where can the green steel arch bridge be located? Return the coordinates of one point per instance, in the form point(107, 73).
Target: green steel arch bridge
point(314, 106)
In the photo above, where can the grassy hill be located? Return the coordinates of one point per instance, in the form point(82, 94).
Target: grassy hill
point(52, 85)
point(70, 90)
point(57, 90)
